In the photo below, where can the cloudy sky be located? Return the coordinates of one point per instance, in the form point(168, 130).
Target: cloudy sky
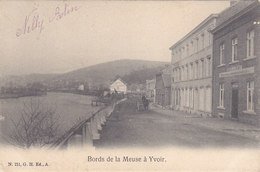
point(37, 37)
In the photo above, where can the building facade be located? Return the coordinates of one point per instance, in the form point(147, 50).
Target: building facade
point(236, 69)
point(118, 86)
point(191, 74)
point(163, 87)
point(150, 90)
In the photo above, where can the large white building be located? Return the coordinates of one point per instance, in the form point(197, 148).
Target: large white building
point(118, 86)
point(192, 69)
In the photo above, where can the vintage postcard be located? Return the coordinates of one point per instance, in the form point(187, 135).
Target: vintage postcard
point(129, 85)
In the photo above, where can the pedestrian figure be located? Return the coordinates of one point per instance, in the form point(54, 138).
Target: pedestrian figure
point(145, 102)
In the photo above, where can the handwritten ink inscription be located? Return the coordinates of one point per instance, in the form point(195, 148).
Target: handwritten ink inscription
point(34, 22)
point(61, 12)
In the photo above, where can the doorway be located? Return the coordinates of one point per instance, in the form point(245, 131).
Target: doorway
point(234, 110)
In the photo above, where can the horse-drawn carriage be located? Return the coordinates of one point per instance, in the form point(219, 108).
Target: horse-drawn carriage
point(142, 104)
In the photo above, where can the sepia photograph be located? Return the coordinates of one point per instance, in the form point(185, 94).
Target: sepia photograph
point(120, 85)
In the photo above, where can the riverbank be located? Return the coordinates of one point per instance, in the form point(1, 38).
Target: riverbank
point(23, 94)
point(69, 109)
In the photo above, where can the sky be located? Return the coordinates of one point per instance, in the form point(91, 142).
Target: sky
point(60, 36)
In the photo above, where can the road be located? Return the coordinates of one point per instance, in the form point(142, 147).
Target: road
point(159, 128)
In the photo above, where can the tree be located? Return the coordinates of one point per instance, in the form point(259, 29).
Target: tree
point(36, 125)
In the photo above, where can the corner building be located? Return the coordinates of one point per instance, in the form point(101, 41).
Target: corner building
point(191, 75)
point(236, 69)
point(163, 87)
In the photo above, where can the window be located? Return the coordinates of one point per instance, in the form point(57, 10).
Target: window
point(191, 98)
point(221, 95)
point(191, 71)
point(187, 49)
point(172, 56)
point(199, 69)
point(202, 68)
point(209, 66)
point(192, 48)
point(202, 41)
point(183, 73)
point(250, 44)
point(208, 99)
point(221, 54)
point(188, 72)
point(209, 37)
point(201, 99)
point(197, 44)
point(182, 97)
point(174, 75)
point(250, 94)
point(187, 97)
point(206, 67)
point(196, 70)
point(183, 52)
point(175, 96)
point(179, 74)
point(234, 49)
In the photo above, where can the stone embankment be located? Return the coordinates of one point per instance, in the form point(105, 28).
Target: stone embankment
point(85, 132)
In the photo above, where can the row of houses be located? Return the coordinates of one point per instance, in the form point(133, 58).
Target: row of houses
point(215, 68)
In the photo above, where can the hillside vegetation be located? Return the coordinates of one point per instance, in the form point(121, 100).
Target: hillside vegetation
point(131, 71)
point(105, 72)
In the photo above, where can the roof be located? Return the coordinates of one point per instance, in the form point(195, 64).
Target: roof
point(209, 18)
point(119, 80)
point(234, 12)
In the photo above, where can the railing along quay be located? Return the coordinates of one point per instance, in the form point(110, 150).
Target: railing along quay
point(84, 132)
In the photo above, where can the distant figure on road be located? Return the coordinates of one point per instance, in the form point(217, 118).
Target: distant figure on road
point(145, 102)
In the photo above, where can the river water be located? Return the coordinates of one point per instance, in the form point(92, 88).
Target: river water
point(69, 109)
